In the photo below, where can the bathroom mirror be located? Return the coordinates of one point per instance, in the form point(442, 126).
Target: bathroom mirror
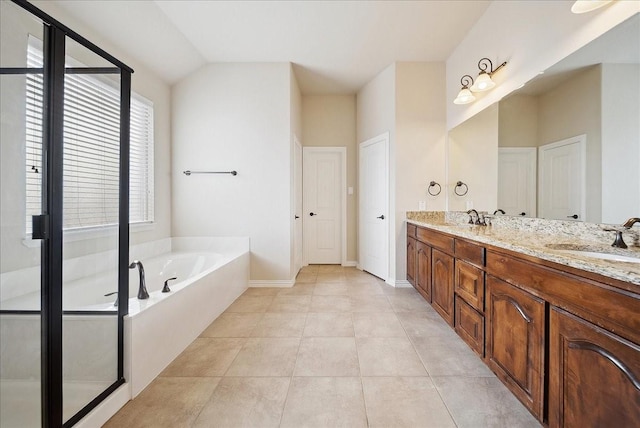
point(566, 145)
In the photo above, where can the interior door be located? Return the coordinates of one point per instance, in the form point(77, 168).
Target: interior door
point(297, 179)
point(562, 179)
point(374, 206)
point(322, 183)
point(517, 180)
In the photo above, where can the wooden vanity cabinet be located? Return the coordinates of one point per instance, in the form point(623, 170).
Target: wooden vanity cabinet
point(442, 284)
point(515, 341)
point(564, 341)
point(469, 324)
point(411, 260)
point(594, 375)
point(423, 270)
point(469, 290)
point(469, 284)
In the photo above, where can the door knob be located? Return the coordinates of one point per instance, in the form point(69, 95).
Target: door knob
point(312, 214)
point(575, 216)
point(381, 217)
point(297, 217)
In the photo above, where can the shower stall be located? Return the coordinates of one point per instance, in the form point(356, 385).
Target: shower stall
point(65, 123)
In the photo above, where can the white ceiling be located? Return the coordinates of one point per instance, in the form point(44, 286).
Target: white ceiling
point(336, 46)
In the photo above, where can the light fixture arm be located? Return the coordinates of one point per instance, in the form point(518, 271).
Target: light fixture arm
point(466, 81)
point(486, 66)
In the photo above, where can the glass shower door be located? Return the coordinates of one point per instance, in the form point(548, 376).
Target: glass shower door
point(91, 206)
point(21, 182)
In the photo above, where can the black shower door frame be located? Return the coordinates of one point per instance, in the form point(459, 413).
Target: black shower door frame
point(49, 225)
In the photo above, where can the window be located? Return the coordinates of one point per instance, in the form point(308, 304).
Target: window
point(91, 149)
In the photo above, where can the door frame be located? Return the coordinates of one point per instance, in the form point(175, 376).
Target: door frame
point(298, 245)
point(582, 142)
point(342, 151)
point(386, 138)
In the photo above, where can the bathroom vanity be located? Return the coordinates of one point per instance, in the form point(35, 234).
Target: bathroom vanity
point(561, 331)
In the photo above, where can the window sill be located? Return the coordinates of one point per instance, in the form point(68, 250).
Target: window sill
point(75, 235)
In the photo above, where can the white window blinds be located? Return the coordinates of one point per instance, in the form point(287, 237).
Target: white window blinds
point(91, 150)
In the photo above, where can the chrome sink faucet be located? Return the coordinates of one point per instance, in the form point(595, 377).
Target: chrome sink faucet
point(142, 290)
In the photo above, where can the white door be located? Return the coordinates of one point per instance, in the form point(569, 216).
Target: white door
point(517, 180)
point(562, 179)
point(322, 201)
point(297, 224)
point(374, 206)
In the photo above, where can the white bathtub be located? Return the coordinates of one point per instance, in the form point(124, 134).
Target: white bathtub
point(211, 272)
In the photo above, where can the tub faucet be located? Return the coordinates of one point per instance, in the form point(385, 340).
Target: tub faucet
point(142, 290)
point(631, 222)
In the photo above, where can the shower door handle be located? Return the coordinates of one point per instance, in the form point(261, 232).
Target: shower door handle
point(312, 214)
point(40, 226)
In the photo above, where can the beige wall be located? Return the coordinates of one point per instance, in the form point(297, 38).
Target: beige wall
point(330, 121)
point(518, 121)
point(375, 115)
point(473, 159)
point(15, 255)
point(408, 101)
point(620, 142)
point(420, 145)
point(571, 109)
point(237, 116)
point(522, 33)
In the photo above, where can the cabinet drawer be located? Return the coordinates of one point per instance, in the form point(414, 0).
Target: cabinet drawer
point(469, 284)
point(469, 325)
point(411, 230)
point(469, 252)
point(436, 240)
point(612, 308)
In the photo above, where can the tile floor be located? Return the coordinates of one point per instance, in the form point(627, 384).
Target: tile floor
point(339, 349)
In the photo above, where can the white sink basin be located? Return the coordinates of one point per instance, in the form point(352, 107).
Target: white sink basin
point(603, 256)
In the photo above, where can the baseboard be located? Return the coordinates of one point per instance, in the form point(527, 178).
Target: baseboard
point(351, 263)
point(272, 283)
point(107, 408)
point(402, 283)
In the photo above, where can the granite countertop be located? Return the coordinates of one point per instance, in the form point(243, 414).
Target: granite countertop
point(550, 245)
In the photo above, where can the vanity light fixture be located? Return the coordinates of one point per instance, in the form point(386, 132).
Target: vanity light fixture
point(483, 81)
point(465, 96)
point(584, 6)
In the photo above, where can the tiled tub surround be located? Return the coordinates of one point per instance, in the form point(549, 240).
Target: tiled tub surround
point(156, 330)
point(538, 237)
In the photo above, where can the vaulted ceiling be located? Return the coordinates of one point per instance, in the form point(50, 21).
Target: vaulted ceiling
point(335, 46)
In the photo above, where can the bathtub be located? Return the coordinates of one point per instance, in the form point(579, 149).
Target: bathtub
point(211, 273)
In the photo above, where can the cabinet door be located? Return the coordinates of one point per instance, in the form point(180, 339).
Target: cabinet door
point(442, 284)
point(411, 260)
point(423, 276)
point(470, 325)
point(515, 341)
point(594, 375)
